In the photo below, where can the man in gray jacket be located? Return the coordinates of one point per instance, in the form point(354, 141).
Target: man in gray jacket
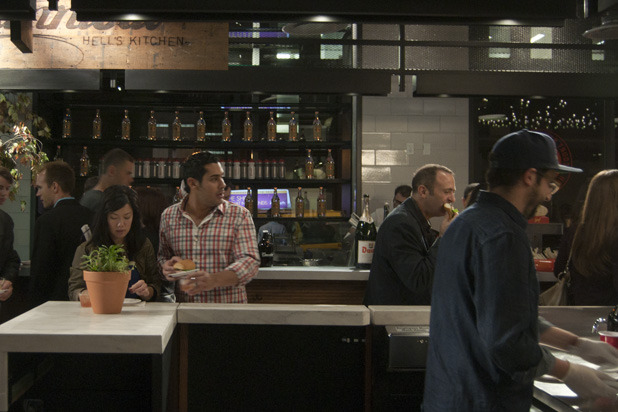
point(406, 247)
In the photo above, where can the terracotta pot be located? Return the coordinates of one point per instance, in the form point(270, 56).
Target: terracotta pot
point(107, 290)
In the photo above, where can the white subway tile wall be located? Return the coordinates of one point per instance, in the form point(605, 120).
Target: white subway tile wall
point(436, 126)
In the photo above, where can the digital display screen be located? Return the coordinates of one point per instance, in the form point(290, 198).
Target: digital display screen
point(264, 198)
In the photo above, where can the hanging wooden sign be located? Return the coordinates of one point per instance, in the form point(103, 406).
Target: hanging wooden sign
point(62, 42)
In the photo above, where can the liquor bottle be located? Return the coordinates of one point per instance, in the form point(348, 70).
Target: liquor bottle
point(307, 204)
point(152, 127)
point(58, 155)
point(271, 129)
point(200, 128)
point(84, 163)
point(293, 132)
point(226, 128)
point(309, 165)
point(267, 249)
point(300, 204)
point(176, 125)
point(330, 165)
point(66, 125)
point(365, 237)
point(321, 203)
point(248, 128)
point(275, 205)
point(96, 126)
point(386, 211)
point(249, 201)
point(317, 128)
point(125, 126)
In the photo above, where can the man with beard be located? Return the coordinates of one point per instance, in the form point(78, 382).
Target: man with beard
point(484, 348)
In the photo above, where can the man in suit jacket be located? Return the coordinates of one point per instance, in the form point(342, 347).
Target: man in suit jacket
point(57, 233)
point(405, 252)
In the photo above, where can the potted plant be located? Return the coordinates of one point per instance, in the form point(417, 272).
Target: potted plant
point(107, 272)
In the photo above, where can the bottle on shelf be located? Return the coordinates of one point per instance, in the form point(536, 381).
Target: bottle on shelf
point(258, 169)
point(226, 128)
point(266, 249)
point(152, 127)
point(58, 155)
point(125, 127)
point(365, 238)
point(236, 169)
point(307, 204)
point(176, 169)
point(309, 165)
point(266, 169)
point(251, 169)
point(330, 165)
point(300, 204)
point(96, 125)
point(274, 170)
point(321, 208)
point(275, 204)
point(84, 163)
point(293, 131)
point(317, 128)
point(67, 125)
point(249, 201)
point(200, 128)
point(248, 128)
point(176, 126)
point(281, 172)
point(243, 169)
point(146, 169)
point(271, 128)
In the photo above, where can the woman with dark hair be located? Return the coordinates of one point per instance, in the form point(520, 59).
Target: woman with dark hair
point(118, 222)
point(590, 247)
point(9, 260)
point(152, 203)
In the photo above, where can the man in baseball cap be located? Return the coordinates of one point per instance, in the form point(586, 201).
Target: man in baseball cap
point(484, 351)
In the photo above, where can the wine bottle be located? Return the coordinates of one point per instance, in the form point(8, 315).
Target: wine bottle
point(66, 125)
point(84, 163)
point(317, 128)
point(97, 126)
point(309, 165)
point(176, 125)
point(58, 155)
point(271, 129)
point(152, 127)
point(266, 249)
point(365, 238)
point(330, 165)
point(275, 205)
point(321, 209)
point(200, 128)
point(300, 204)
point(248, 128)
point(249, 201)
point(293, 130)
point(226, 128)
point(125, 127)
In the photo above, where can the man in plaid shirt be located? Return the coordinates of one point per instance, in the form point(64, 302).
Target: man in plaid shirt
point(217, 235)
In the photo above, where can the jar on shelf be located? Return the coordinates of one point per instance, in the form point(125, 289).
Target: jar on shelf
point(176, 169)
point(274, 174)
point(251, 169)
point(258, 169)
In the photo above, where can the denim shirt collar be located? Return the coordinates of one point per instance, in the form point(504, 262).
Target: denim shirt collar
point(503, 204)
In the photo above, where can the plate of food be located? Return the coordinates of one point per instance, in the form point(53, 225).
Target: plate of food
point(185, 268)
point(131, 301)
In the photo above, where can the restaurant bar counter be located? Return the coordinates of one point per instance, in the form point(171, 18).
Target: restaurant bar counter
point(165, 356)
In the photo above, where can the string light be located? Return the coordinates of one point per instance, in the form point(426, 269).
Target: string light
point(551, 117)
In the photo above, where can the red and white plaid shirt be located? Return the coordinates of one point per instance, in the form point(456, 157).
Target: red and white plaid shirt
point(224, 240)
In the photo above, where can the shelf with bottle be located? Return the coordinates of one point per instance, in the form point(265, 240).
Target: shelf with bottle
point(189, 126)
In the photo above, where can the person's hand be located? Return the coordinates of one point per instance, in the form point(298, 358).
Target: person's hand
point(446, 222)
point(588, 383)
point(595, 351)
point(141, 289)
point(6, 289)
point(198, 282)
point(168, 267)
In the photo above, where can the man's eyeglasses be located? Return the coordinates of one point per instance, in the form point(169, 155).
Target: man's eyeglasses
point(555, 186)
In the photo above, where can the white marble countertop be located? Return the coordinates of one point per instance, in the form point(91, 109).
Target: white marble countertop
point(399, 315)
point(67, 327)
point(273, 314)
point(312, 273)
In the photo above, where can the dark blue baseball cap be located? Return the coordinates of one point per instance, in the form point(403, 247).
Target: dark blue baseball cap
point(525, 149)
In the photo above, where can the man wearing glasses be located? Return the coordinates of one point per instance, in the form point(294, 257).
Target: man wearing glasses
point(484, 351)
